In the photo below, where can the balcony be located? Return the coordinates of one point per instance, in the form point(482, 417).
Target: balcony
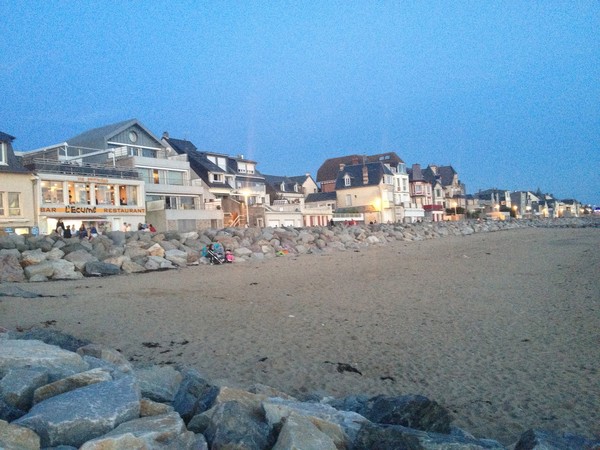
point(83, 169)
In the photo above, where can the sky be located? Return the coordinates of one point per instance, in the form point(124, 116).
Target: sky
point(507, 92)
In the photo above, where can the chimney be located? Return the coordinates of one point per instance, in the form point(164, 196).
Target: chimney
point(165, 135)
point(365, 171)
point(342, 165)
point(354, 160)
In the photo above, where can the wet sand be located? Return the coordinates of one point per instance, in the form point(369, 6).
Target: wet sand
point(502, 328)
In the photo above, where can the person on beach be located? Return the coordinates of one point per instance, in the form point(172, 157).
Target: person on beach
point(151, 228)
point(67, 233)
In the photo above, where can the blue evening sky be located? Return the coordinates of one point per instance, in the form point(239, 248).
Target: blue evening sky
point(508, 92)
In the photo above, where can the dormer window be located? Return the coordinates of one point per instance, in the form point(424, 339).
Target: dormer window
point(347, 180)
point(282, 187)
point(3, 154)
point(296, 187)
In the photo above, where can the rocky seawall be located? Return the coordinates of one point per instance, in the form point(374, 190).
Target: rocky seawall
point(51, 257)
point(59, 392)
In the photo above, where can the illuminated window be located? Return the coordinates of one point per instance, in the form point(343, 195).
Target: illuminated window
point(14, 204)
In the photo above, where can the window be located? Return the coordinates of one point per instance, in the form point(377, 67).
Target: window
point(79, 192)
point(52, 191)
point(3, 153)
point(404, 184)
point(187, 202)
point(176, 178)
point(346, 180)
point(105, 194)
point(14, 204)
point(2, 203)
point(418, 189)
point(282, 187)
point(217, 177)
point(348, 200)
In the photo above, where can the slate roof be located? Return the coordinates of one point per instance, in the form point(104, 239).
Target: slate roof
point(97, 137)
point(199, 163)
point(275, 181)
point(329, 169)
point(415, 173)
point(13, 162)
point(320, 197)
point(375, 172)
point(445, 174)
point(202, 166)
point(6, 137)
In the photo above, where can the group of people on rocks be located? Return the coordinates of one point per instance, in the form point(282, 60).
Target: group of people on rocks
point(141, 227)
point(70, 231)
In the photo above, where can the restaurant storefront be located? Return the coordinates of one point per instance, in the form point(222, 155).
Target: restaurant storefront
point(103, 202)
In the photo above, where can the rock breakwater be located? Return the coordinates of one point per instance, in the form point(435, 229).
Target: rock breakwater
point(51, 257)
point(58, 392)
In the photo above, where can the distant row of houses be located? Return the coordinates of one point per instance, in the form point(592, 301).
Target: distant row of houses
point(123, 174)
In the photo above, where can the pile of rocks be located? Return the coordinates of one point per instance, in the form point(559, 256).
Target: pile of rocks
point(41, 258)
point(58, 392)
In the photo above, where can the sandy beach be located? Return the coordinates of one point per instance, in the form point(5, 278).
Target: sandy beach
point(501, 328)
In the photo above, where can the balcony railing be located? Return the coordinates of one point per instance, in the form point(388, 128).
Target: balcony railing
point(83, 169)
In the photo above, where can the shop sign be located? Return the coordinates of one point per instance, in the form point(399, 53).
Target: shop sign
point(71, 209)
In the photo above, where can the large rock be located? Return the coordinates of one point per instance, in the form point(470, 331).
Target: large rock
point(412, 411)
point(130, 266)
point(18, 386)
point(79, 258)
point(232, 425)
point(154, 432)
point(10, 268)
point(23, 353)
point(39, 272)
point(32, 257)
point(341, 426)
point(17, 438)
point(548, 440)
point(156, 263)
point(394, 437)
point(99, 268)
point(298, 432)
point(156, 250)
point(177, 257)
point(159, 383)
point(78, 416)
point(52, 337)
point(70, 383)
point(195, 395)
point(108, 354)
point(64, 270)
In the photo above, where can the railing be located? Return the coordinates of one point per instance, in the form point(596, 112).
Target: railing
point(85, 169)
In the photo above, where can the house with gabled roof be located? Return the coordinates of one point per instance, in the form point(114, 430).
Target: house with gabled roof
point(453, 189)
point(365, 192)
point(127, 176)
point(404, 208)
point(237, 187)
point(288, 206)
point(17, 202)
